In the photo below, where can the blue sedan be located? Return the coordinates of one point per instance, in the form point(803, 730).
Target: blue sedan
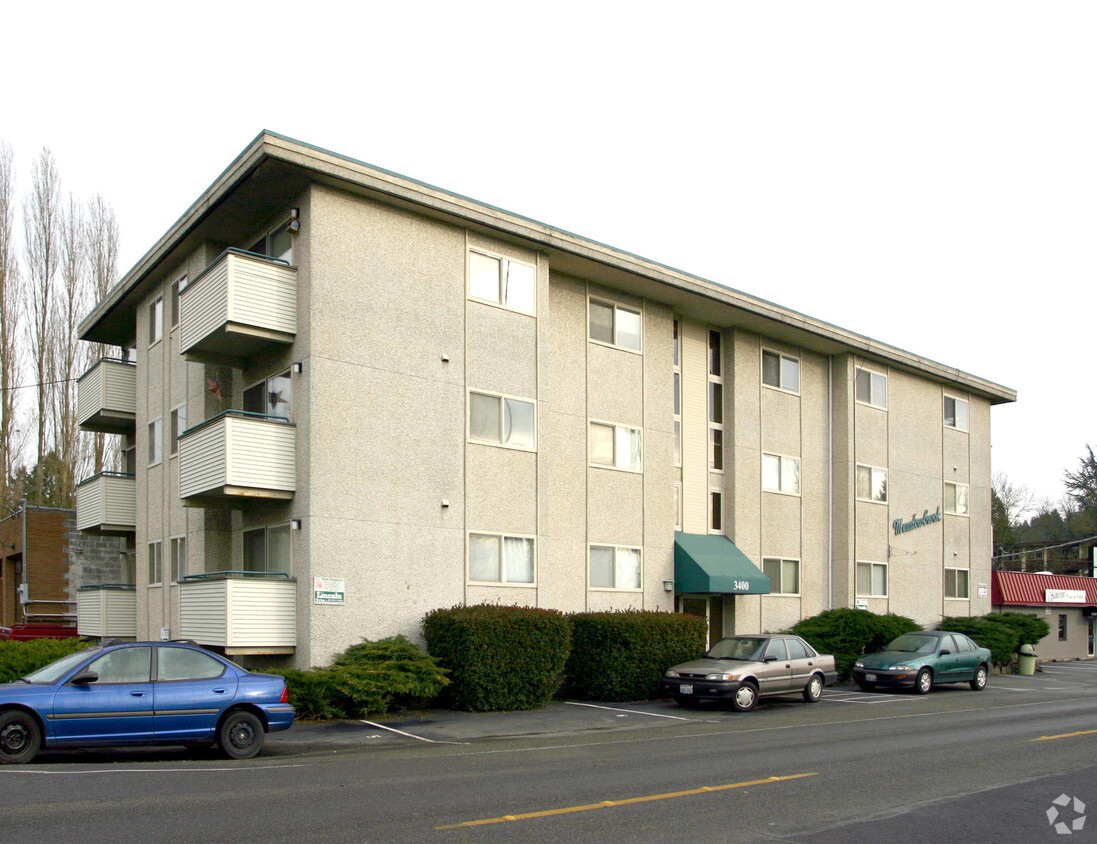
point(141, 693)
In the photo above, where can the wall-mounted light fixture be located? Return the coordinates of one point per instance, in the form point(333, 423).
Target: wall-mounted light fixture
point(294, 524)
point(294, 224)
point(297, 366)
point(668, 585)
point(445, 358)
point(445, 502)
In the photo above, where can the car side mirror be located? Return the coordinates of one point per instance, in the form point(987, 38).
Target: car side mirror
point(85, 678)
point(769, 658)
point(945, 651)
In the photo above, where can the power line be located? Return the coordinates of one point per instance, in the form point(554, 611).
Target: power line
point(42, 384)
point(1046, 548)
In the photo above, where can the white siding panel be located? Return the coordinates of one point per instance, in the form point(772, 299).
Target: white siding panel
point(239, 613)
point(106, 613)
point(202, 460)
point(262, 294)
point(119, 386)
point(261, 454)
point(106, 500)
point(203, 306)
point(89, 394)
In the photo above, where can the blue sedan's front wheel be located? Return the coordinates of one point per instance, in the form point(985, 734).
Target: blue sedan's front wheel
point(20, 737)
point(240, 735)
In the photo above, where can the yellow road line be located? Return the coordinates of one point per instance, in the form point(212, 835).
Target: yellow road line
point(605, 804)
point(1066, 735)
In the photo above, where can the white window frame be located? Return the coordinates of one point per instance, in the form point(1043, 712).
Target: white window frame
point(266, 384)
point(874, 473)
point(716, 511)
point(616, 344)
point(501, 292)
point(956, 498)
point(178, 424)
point(872, 566)
point(156, 321)
point(781, 475)
point(503, 581)
point(156, 441)
point(955, 584)
point(677, 485)
point(617, 549)
point(266, 529)
point(778, 586)
point(958, 402)
point(503, 400)
point(715, 413)
point(616, 465)
point(177, 561)
point(177, 287)
point(782, 359)
point(873, 399)
point(154, 558)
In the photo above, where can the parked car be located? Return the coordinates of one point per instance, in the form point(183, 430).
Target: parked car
point(923, 660)
point(743, 669)
point(141, 693)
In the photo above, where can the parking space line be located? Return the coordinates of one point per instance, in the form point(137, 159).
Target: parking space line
point(409, 735)
point(629, 711)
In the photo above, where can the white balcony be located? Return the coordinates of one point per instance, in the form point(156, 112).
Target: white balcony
point(107, 504)
point(108, 611)
point(242, 612)
point(106, 397)
point(239, 305)
point(237, 456)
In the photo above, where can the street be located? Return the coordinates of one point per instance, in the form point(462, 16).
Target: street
point(953, 765)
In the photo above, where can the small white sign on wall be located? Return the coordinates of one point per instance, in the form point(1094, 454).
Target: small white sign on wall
point(862, 604)
point(982, 590)
point(329, 590)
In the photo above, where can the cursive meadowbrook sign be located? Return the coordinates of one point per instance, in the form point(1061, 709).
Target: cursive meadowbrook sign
point(927, 518)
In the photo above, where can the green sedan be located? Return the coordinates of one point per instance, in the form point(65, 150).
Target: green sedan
point(923, 660)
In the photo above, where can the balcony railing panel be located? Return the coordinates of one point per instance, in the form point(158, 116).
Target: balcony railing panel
point(240, 613)
point(237, 455)
point(106, 397)
point(108, 611)
point(107, 503)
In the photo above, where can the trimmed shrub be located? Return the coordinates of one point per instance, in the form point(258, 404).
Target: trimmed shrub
point(367, 678)
point(848, 633)
point(620, 656)
point(1002, 639)
point(17, 659)
point(500, 658)
point(1030, 629)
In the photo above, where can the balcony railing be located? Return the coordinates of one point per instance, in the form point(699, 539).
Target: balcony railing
point(237, 456)
point(107, 503)
point(108, 610)
point(239, 305)
point(242, 612)
point(106, 397)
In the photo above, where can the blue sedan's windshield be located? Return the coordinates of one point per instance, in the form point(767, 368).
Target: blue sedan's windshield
point(914, 644)
point(738, 647)
point(58, 669)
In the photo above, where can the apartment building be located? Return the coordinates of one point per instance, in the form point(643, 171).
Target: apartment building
point(347, 398)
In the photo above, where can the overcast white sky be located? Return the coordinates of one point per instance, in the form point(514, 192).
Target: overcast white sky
point(922, 173)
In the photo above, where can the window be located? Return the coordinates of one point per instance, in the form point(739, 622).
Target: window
point(677, 395)
point(503, 282)
point(1062, 628)
point(872, 483)
point(178, 552)
point(956, 498)
point(129, 460)
point(872, 580)
point(178, 425)
point(273, 397)
point(781, 474)
point(185, 664)
point(956, 413)
point(872, 388)
point(126, 665)
point(277, 243)
point(677, 506)
point(495, 558)
point(495, 419)
point(616, 446)
point(956, 583)
point(177, 287)
point(714, 361)
point(156, 320)
point(267, 549)
point(156, 563)
point(784, 575)
point(156, 445)
point(715, 405)
point(716, 511)
point(780, 371)
point(614, 567)
point(615, 325)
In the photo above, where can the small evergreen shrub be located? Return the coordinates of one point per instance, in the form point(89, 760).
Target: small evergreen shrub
point(369, 677)
point(500, 658)
point(621, 656)
point(1030, 629)
point(17, 659)
point(849, 633)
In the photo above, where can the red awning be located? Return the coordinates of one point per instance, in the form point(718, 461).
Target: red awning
point(1025, 589)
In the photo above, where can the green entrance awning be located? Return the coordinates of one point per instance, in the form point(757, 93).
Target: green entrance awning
point(709, 563)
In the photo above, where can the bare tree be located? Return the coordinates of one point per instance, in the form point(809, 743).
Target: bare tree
point(41, 217)
point(103, 244)
point(10, 359)
point(1017, 499)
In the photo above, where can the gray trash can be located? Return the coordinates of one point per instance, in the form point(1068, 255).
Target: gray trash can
point(1026, 660)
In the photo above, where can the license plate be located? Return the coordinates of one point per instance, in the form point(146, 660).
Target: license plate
point(685, 689)
point(871, 678)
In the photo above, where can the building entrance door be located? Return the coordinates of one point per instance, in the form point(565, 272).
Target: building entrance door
point(712, 610)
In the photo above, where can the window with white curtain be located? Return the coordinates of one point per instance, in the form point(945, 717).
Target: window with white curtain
point(615, 567)
point(502, 421)
point(956, 413)
point(872, 388)
point(781, 372)
point(502, 281)
point(616, 446)
point(784, 575)
point(872, 580)
point(872, 484)
point(498, 558)
point(615, 325)
point(781, 474)
point(956, 499)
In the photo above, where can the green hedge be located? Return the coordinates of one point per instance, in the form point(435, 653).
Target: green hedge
point(848, 633)
point(1030, 629)
point(17, 659)
point(619, 656)
point(370, 677)
point(1000, 637)
point(500, 658)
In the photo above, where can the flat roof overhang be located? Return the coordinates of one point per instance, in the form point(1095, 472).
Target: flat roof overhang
point(273, 170)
